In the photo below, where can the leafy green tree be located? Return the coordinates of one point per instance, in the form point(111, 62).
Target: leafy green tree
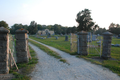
point(39, 27)
point(85, 21)
point(57, 29)
point(33, 27)
point(4, 24)
point(100, 31)
point(15, 27)
point(73, 29)
point(114, 28)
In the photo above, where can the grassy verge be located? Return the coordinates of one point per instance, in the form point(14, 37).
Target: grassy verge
point(48, 51)
point(113, 64)
point(60, 44)
point(25, 68)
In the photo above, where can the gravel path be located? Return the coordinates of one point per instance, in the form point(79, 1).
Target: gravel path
point(50, 68)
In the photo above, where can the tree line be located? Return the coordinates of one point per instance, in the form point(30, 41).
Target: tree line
point(114, 28)
point(34, 27)
point(84, 20)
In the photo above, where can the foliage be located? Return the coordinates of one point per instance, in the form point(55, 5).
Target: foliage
point(4, 24)
point(100, 31)
point(114, 28)
point(33, 27)
point(16, 27)
point(85, 21)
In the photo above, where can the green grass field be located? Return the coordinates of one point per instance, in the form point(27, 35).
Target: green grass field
point(63, 45)
point(60, 43)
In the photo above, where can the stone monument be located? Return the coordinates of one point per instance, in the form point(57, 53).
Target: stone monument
point(66, 38)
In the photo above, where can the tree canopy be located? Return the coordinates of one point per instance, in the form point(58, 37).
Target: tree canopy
point(4, 24)
point(100, 31)
point(33, 27)
point(85, 21)
point(114, 28)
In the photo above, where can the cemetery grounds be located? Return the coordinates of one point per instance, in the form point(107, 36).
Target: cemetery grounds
point(94, 55)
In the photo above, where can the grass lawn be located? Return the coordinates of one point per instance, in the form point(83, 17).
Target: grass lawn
point(113, 64)
point(60, 43)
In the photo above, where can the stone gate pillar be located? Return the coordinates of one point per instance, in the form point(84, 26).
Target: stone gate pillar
point(82, 43)
point(106, 48)
point(4, 50)
point(22, 46)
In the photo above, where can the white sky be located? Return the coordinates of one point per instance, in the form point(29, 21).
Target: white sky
point(62, 12)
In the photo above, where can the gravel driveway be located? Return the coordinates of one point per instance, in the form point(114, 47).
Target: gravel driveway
point(50, 68)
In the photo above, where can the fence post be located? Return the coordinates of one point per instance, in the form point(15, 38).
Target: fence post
point(4, 50)
point(106, 49)
point(22, 46)
point(82, 43)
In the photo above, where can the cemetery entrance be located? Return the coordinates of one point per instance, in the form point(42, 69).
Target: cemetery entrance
point(94, 44)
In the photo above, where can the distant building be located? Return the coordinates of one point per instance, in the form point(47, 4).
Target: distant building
point(45, 32)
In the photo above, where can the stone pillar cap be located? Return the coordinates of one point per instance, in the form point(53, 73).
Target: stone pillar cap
point(82, 32)
point(21, 31)
point(4, 30)
point(107, 33)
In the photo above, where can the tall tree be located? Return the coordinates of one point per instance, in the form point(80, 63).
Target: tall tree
point(4, 24)
point(39, 27)
point(33, 27)
point(85, 21)
point(114, 28)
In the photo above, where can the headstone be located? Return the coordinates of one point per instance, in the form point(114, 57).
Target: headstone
point(106, 49)
point(82, 43)
point(94, 37)
point(56, 37)
point(89, 37)
point(98, 42)
point(112, 44)
point(66, 38)
point(119, 36)
point(117, 45)
point(22, 46)
point(48, 35)
point(61, 34)
point(4, 50)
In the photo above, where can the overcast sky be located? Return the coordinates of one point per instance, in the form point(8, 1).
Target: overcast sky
point(63, 12)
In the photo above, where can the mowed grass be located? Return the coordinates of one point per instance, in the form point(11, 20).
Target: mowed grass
point(25, 68)
point(59, 44)
point(113, 64)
